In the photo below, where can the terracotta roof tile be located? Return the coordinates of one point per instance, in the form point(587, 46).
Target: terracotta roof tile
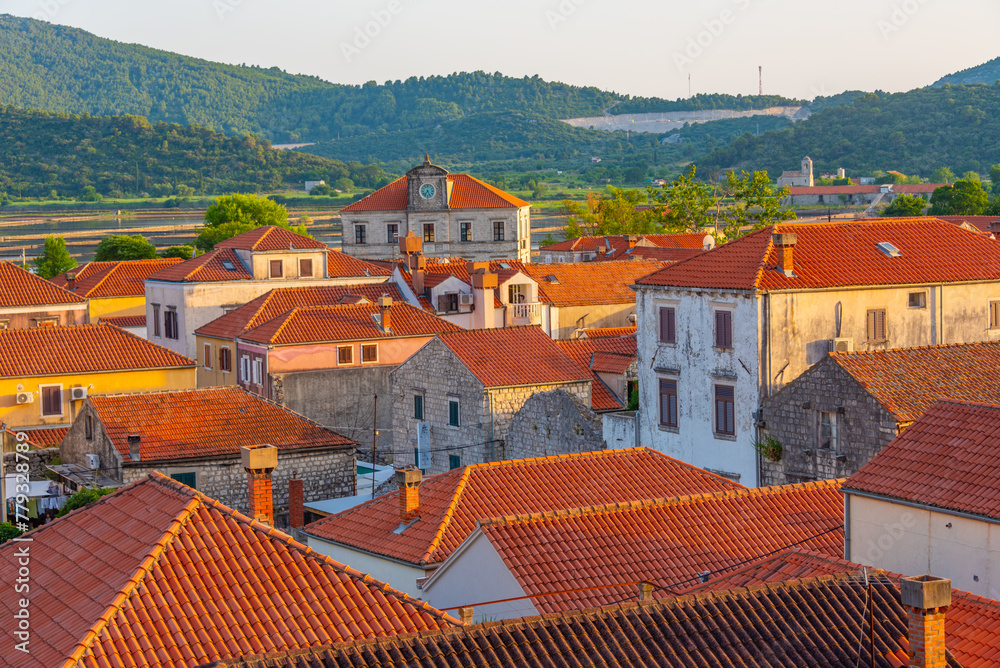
point(842, 254)
point(43, 438)
point(908, 381)
point(348, 322)
point(393, 197)
point(689, 240)
point(270, 238)
point(981, 223)
point(617, 351)
point(212, 266)
point(20, 288)
point(661, 255)
point(49, 351)
point(605, 332)
point(451, 503)
point(97, 280)
point(157, 574)
point(342, 265)
point(668, 542)
point(585, 283)
point(813, 622)
point(208, 422)
point(123, 321)
point(280, 301)
point(466, 193)
point(497, 357)
point(947, 458)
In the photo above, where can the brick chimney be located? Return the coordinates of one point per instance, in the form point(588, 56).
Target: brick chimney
point(296, 508)
point(926, 599)
point(384, 306)
point(995, 229)
point(785, 242)
point(134, 447)
point(408, 480)
point(259, 461)
point(632, 240)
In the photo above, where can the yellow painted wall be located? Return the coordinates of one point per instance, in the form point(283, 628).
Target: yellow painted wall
point(117, 306)
point(30, 415)
point(215, 376)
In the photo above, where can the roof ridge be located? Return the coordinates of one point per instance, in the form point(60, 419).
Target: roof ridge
point(763, 258)
point(899, 351)
point(449, 513)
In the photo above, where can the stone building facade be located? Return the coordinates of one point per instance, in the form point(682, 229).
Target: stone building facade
point(553, 423)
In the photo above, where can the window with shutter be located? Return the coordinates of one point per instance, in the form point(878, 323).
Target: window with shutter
point(208, 355)
point(668, 325)
point(725, 410)
point(225, 360)
point(723, 329)
point(277, 269)
point(995, 315)
point(875, 326)
point(668, 403)
point(52, 403)
point(305, 268)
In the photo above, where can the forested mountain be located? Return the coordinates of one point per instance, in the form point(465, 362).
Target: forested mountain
point(640, 105)
point(913, 132)
point(42, 152)
point(987, 73)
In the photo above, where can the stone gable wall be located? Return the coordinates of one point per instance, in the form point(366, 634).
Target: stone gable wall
point(553, 423)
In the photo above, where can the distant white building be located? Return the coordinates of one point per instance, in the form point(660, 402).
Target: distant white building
point(312, 184)
point(803, 177)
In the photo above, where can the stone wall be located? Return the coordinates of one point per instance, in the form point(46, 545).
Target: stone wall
point(792, 417)
point(37, 461)
point(553, 423)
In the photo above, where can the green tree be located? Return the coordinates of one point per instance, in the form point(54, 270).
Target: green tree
point(942, 175)
point(972, 176)
point(964, 198)
point(995, 179)
point(612, 212)
point(183, 252)
point(344, 185)
point(232, 215)
point(81, 498)
point(89, 194)
point(123, 247)
point(8, 531)
point(755, 204)
point(55, 258)
point(685, 205)
point(322, 190)
point(905, 205)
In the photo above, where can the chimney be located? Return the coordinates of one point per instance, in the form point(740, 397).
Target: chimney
point(645, 591)
point(483, 285)
point(926, 599)
point(70, 276)
point(296, 509)
point(259, 461)
point(384, 305)
point(785, 242)
point(410, 244)
point(412, 247)
point(134, 441)
point(466, 614)
point(408, 480)
point(995, 229)
point(632, 240)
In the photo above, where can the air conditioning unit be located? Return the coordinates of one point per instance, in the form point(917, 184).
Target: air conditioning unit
point(25, 398)
point(841, 345)
point(93, 461)
point(465, 299)
point(77, 393)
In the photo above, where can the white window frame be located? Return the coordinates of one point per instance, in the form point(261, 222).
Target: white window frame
point(221, 368)
point(41, 401)
point(207, 349)
point(257, 369)
point(245, 368)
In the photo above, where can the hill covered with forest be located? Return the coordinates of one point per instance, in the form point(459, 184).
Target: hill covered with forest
point(120, 156)
point(987, 73)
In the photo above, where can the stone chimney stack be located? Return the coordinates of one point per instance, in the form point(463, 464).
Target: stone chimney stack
point(259, 461)
point(408, 480)
point(412, 248)
point(632, 239)
point(466, 615)
point(785, 242)
point(926, 599)
point(296, 503)
point(384, 306)
point(134, 447)
point(995, 229)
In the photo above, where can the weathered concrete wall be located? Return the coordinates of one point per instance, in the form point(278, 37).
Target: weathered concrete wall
point(619, 429)
point(792, 417)
point(553, 423)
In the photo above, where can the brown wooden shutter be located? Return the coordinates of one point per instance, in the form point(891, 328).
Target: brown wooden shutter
point(668, 330)
point(723, 329)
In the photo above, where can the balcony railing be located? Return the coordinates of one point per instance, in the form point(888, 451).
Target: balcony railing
point(526, 313)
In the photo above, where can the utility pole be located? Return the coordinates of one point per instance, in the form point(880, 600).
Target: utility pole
point(760, 79)
point(689, 85)
point(374, 442)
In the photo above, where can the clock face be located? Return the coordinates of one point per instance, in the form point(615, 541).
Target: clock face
point(427, 191)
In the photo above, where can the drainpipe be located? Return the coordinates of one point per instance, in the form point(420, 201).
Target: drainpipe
point(489, 397)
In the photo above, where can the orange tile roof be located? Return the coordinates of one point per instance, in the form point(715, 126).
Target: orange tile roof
point(658, 254)
point(668, 542)
point(51, 351)
point(20, 288)
point(157, 574)
point(342, 265)
point(348, 322)
point(97, 280)
point(497, 357)
point(438, 271)
point(815, 622)
point(270, 238)
point(207, 422)
point(842, 254)
point(689, 240)
point(279, 301)
point(605, 332)
point(123, 321)
point(451, 503)
point(586, 283)
point(585, 352)
point(206, 268)
point(42, 438)
point(981, 223)
point(947, 459)
point(908, 381)
point(467, 192)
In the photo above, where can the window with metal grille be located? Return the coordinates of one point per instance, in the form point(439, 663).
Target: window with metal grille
point(428, 231)
point(725, 410)
point(465, 231)
point(724, 329)
point(668, 325)
point(875, 325)
point(392, 233)
point(668, 403)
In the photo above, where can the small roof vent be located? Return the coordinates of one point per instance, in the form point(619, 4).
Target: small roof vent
point(889, 249)
point(551, 278)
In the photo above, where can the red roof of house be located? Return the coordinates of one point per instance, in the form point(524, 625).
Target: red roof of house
point(603, 332)
point(513, 356)
point(588, 283)
point(466, 193)
point(438, 270)
point(42, 438)
point(212, 266)
point(608, 355)
point(207, 422)
point(20, 288)
point(52, 351)
point(279, 301)
point(157, 574)
point(908, 381)
point(451, 503)
point(651, 253)
point(947, 459)
point(616, 242)
point(270, 238)
point(123, 321)
point(841, 254)
point(668, 542)
point(342, 265)
point(347, 322)
point(127, 278)
point(981, 223)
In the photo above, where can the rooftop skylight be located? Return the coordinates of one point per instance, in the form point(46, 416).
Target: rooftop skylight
point(889, 249)
point(228, 266)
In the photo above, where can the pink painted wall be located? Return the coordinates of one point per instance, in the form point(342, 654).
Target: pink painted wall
point(391, 352)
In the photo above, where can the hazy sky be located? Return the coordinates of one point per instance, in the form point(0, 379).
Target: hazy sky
point(641, 47)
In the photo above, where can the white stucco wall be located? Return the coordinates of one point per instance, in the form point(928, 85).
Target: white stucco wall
point(915, 541)
point(619, 429)
point(475, 573)
point(395, 574)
